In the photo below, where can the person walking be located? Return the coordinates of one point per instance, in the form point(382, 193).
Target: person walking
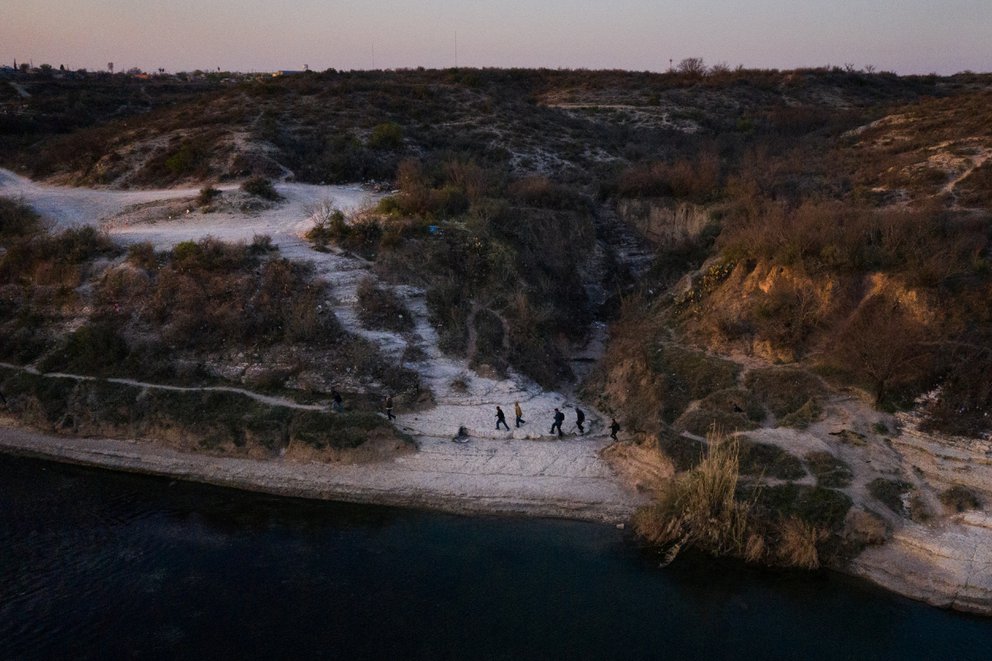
point(614, 428)
point(580, 418)
point(336, 402)
point(519, 412)
point(501, 419)
point(389, 407)
point(559, 418)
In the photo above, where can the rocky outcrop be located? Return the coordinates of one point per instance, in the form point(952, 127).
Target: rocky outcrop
point(945, 560)
point(949, 565)
point(664, 222)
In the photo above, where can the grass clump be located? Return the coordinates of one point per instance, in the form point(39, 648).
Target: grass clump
point(791, 395)
point(686, 374)
point(261, 187)
point(765, 459)
point(829, 471)
point(890, 493)
point(685, 452)
point(700, 421)
point(207, 195)
point(818, 506)
point(960, 499)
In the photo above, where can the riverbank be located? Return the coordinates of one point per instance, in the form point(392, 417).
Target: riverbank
point(562, 479)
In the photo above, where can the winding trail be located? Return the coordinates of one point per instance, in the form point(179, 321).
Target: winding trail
point(258, 397)
point(521, 471)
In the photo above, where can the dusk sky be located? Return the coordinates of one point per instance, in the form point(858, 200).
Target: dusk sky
point(905, 36)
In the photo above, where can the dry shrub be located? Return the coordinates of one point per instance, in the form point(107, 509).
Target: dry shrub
point(540, 191)
point(964, 400)
point(56, 259)
point(17, 220)
point(382, 309)
point(700, 507)
point(886, 346)
point(467, 176)
point(695, 179)
point(890, 493)
point(210, 294)
point(797, 543)
point(960, 499)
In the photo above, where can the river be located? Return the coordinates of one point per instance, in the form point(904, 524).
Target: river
point(101, 565)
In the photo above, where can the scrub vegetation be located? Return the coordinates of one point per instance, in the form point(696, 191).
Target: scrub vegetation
point(757, 242)
point(76, 303)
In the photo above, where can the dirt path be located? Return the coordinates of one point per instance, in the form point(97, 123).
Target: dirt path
point(258, 397)
point(494, 471)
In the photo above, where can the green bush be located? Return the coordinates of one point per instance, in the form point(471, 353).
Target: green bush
point(207, 195)
point(388, 135)
point(686, 374)
point(261, 187)
point(17, 220)
point(960, 499)
point(829, 471)
point(770, 461)
point(784, 390)
point(815, 505)
point(95, 348)
point(685, 452)
point(890, 493)
point(189, 158)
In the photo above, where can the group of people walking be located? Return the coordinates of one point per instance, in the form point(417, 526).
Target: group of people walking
point(558, 419)
point(556, 422)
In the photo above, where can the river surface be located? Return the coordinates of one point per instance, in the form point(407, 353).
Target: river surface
point(101, 565)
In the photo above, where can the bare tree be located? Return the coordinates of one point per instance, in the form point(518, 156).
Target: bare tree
point(885, 344)
point(692, 66)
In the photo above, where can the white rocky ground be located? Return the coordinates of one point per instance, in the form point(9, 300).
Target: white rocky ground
point(524, 470)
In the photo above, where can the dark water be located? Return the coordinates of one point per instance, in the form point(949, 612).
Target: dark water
point(101, 565)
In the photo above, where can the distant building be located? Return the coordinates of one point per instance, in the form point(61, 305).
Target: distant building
point(288, 72)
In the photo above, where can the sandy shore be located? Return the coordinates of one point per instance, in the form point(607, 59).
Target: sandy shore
point(531, 478)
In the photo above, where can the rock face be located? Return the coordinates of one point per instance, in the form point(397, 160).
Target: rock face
point(946, 560)
point(949, 565)
point(664, 222)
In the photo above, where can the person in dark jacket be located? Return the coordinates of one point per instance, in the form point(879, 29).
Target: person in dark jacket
point(337, 403)
point(501, 419)
point(580, 418)
point(559, 418)
point(614, 428)
point(389, 407)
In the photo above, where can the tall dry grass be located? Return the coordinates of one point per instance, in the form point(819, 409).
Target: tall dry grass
point(702, 508)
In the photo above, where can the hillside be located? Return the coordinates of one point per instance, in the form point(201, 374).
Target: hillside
point(801, 260)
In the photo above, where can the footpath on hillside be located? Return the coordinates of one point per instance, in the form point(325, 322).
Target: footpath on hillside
point(524, 471)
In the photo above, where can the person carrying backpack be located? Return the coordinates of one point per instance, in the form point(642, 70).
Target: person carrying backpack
point(501, 419)
point(559, 418)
